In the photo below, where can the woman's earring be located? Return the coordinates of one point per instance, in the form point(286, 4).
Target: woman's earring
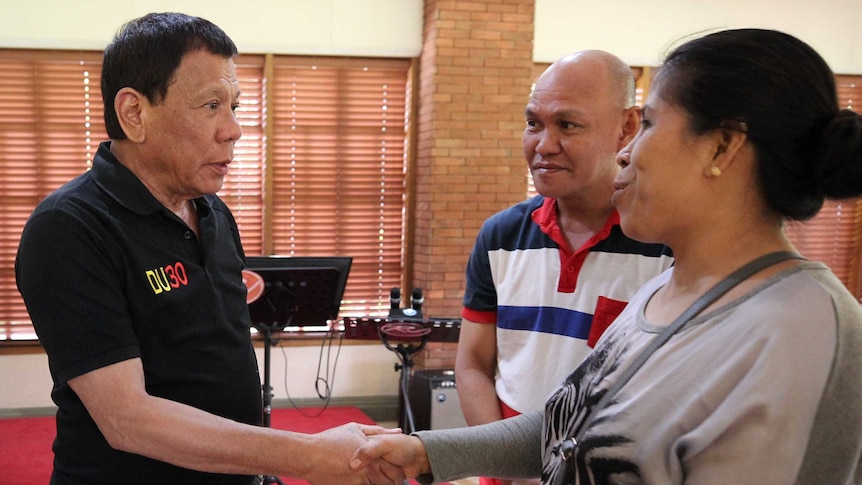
point(715, 171)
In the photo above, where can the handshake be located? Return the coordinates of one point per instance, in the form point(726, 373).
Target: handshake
point(355, 454)
point(364, 454)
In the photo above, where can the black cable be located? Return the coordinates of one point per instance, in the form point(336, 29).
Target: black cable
point(408, 411)
point(328, 382)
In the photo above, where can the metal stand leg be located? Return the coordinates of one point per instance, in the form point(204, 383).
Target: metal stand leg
point(405, 353)
point(267, 393)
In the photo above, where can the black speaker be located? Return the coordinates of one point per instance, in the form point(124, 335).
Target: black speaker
point(434, 400)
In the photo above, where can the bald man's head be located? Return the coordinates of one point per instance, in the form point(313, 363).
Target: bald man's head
point(579, 115)
point(604, 70)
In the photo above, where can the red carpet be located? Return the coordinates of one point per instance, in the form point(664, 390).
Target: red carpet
point(25, 443)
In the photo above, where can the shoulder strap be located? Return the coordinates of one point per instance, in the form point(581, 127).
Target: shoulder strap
point(705, 300)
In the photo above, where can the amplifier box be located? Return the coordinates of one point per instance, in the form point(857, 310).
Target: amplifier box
point(434, 400)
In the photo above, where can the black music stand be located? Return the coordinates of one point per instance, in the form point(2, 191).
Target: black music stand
point(291, 291)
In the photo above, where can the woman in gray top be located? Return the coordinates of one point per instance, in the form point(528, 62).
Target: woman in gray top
point(741, 132)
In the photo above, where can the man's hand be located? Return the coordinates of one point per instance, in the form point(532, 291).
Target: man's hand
point(335, 447)
point(399, 450)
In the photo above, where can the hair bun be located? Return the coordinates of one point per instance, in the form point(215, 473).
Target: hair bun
point(838, 159)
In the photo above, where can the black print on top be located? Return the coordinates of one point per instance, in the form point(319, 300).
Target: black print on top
point(595, 462)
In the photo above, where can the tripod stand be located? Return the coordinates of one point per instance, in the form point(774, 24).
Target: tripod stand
point(266, 389)
point(405, 330)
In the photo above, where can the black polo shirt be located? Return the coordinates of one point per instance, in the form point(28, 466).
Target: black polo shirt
point(109, 274)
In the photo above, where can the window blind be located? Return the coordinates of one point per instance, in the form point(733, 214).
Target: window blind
point(50, 126)
point(338, 150)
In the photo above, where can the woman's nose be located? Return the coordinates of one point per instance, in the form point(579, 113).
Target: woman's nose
point(624, 155)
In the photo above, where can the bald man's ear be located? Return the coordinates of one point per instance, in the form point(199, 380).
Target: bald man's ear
point(631, 125)
point(129, 105)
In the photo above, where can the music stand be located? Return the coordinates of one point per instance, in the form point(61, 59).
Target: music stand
point(284, 291)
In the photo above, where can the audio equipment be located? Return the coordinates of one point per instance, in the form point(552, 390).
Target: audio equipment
point(402, 329)
point(434, 398)
point(412, 312)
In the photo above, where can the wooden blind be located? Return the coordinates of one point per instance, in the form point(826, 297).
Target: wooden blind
point(319, 170)
point(243, 189)
point(338, 149)
point(50, 126)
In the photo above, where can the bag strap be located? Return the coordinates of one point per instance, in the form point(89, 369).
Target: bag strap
point(705, 300)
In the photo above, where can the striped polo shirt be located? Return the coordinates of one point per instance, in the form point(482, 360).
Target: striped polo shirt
point(550, 304)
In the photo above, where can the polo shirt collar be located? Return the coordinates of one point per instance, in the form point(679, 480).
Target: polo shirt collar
point(124, 187)
point(548, 221)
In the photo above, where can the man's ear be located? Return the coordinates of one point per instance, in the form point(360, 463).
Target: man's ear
point(631, 125)
point(727, 148)
point(129, 105)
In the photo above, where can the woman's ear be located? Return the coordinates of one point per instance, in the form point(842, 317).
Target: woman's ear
point(129, 105)
point(728, 147)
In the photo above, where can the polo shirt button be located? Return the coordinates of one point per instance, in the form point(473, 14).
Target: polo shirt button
point(570, 269)
point(188, 235)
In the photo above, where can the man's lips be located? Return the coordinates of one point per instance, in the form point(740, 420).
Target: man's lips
point(546, 166)
point(221, 167)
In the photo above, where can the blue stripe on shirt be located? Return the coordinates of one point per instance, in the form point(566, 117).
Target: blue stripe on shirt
point(557, 321)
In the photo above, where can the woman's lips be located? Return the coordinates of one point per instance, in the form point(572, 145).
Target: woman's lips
point(619, 188)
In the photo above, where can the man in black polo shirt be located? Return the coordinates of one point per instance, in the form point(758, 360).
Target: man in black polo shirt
point(132, 276)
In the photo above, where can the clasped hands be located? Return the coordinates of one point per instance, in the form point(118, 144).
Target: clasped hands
point(357, 454)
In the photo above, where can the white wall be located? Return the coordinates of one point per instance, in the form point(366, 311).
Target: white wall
point(334, 27)
point(637, 31)
point(361, 371)
point(641, 32)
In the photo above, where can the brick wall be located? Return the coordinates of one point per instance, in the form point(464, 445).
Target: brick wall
point(475, 73)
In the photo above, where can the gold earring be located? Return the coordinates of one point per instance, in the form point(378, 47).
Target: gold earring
point(715, 171)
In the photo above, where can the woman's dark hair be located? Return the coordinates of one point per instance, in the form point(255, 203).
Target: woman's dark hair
point(782, 93)
point(146, 52)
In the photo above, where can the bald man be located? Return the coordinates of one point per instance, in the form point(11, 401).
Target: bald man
point(548, 275)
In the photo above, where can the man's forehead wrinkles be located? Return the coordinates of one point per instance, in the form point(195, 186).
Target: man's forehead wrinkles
point(552, 110)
